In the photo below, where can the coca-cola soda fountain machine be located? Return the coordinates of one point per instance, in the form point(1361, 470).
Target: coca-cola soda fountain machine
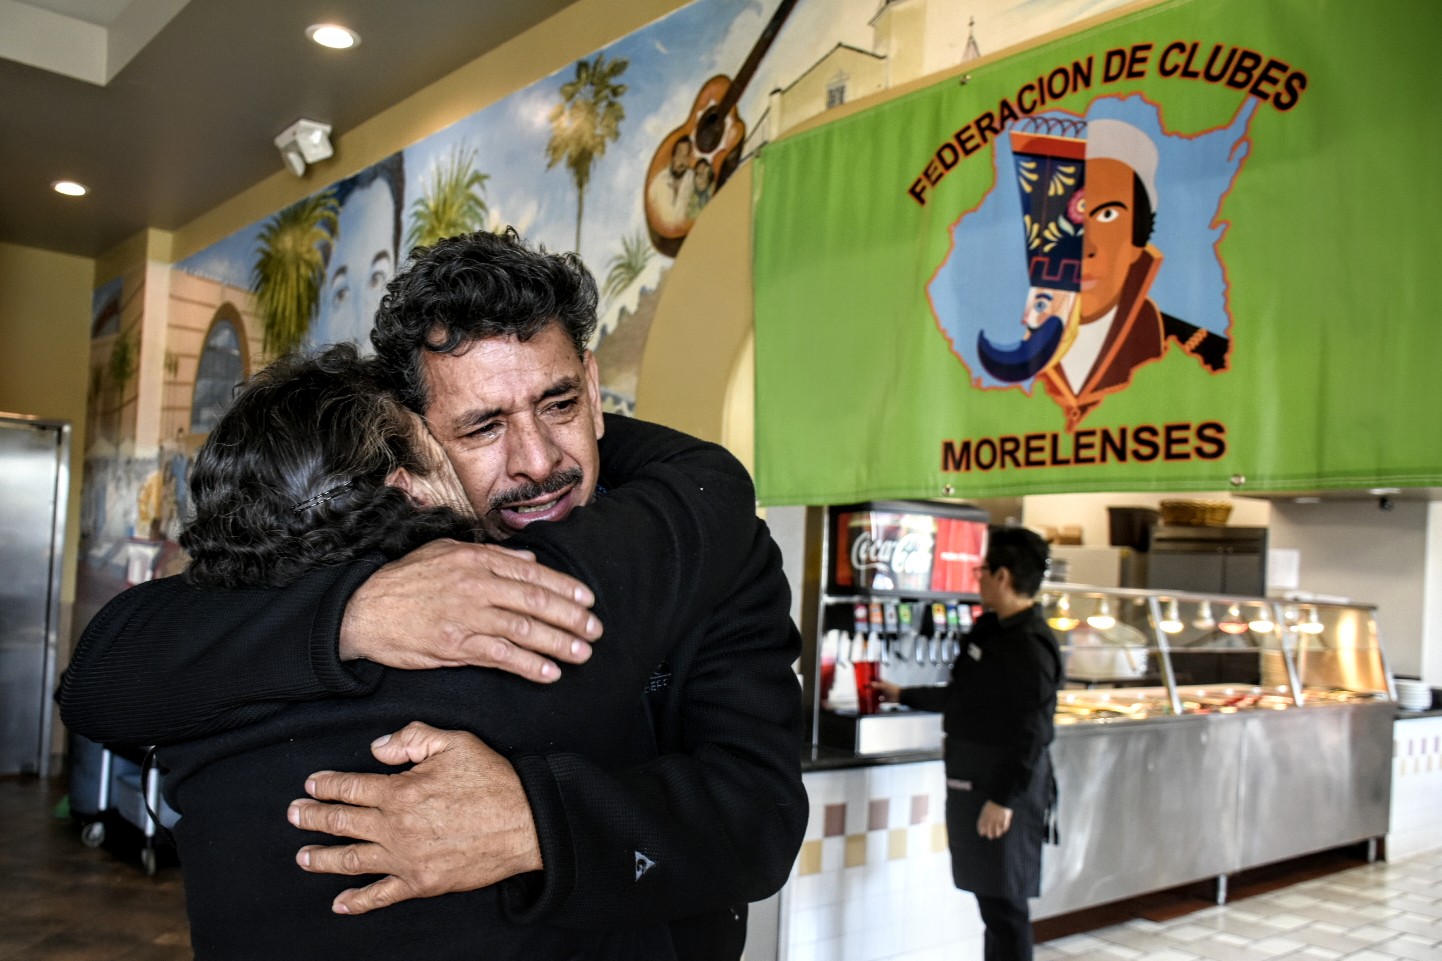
point(898, 592)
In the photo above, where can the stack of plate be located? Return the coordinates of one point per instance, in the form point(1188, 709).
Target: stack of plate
point(1413, 696)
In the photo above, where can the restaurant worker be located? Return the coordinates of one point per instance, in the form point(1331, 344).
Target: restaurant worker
point(998, 708)
point(486, 338)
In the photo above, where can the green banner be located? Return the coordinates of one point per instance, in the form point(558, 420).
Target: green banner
point(1184, 250)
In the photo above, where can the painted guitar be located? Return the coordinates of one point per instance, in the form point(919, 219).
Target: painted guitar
point(695, 159)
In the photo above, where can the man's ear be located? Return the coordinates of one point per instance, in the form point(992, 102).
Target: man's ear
point(593, 388)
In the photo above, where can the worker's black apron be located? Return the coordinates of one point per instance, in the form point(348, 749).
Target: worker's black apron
point(1010, 866)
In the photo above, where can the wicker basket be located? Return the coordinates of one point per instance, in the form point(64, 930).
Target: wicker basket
point(1195, 513)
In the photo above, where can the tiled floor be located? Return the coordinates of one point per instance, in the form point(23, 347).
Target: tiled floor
point(61, 901)
point(1374, 912)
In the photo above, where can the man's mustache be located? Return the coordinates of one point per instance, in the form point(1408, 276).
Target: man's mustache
point(560, 480)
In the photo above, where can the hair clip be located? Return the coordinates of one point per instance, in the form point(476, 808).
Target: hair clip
point(324, 496)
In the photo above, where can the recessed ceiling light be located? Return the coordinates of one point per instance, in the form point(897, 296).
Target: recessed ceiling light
point(70, 188)
point(333, 35)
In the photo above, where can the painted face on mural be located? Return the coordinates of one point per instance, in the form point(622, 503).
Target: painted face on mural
point(680, 156)
point(361, 264)
point(519, 422)
point(1108, 251)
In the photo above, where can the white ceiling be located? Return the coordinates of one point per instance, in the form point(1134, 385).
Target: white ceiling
point(167, 108)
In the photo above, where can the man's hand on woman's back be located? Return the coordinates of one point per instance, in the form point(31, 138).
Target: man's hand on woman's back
point(452, 604)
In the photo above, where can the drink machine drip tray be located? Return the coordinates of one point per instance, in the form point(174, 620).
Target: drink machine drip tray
point(890, 732)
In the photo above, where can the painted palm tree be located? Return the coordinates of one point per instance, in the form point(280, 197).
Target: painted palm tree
point(124, 360)
point(587, 118)
point(290, 270)
point(452, 203)
point(623, 269)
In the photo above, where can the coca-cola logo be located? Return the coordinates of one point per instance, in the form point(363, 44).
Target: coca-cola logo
point(908, 554)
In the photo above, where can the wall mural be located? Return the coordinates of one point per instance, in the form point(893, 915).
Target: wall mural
point(615, 156)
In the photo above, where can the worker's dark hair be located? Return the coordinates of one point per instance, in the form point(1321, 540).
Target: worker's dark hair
point(1021, 551)
point(293, 476)
point(467, 288)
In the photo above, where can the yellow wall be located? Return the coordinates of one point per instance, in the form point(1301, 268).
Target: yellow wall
point(703, 322)
point(44, 370)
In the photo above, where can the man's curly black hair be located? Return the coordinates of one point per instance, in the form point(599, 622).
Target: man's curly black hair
point(303, 428)
point(470, 287)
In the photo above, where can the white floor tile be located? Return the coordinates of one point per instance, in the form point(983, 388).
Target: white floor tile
point(1286, 922)
point(1378, 912)
point(1411, 948)
point(1169, 954)
point(1189, 932)
point(1077, 945)
point(1275, 947)
point(1294, 899)
point(1374, 933)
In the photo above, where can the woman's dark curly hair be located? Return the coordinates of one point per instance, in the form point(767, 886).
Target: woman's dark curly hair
point(293, 477)
point(467, 288)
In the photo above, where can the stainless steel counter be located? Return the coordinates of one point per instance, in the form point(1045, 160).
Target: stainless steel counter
point(1152, 804)
point(1159, 802)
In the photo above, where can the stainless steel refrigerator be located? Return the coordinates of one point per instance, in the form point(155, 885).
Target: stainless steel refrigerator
point(34, 483)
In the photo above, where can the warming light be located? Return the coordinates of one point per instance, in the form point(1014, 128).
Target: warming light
point(1309, 623)
point(70, 188)
point(1262, 623)
point(1171, 622)
point(1102, 620)
point(1233, 623)
point(1062, 619)
point(1204, 620)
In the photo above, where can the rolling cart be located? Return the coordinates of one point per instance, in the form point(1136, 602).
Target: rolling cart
point(105, 783)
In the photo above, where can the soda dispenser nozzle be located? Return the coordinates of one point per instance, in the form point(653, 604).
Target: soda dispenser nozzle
point(938, 631)
point(891, 622)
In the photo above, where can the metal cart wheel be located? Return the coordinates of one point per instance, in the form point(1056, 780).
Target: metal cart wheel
point(148, 861)
point(93, 834)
